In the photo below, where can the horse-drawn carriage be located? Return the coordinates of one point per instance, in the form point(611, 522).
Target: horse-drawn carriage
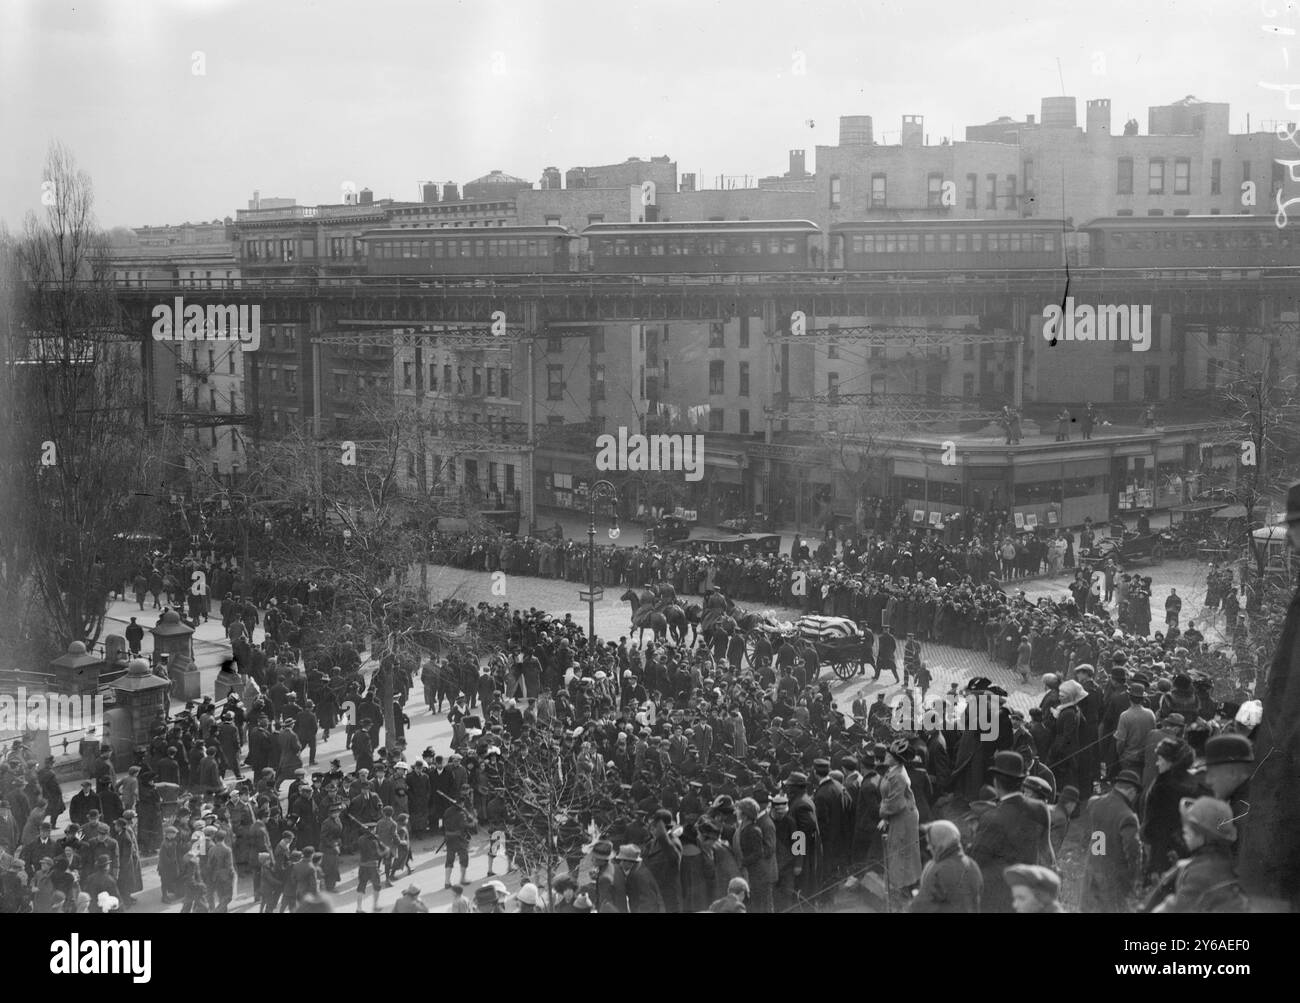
point(839, 643)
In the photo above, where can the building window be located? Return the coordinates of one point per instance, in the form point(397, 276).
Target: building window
point(744, 423)
point(744, 379)
point(833, 387)
point(1182, 176)
point(992, 202)
point(408, 375)
point(879, 191)
point(835, 191)
point(1124, 177)
point(968, 385)
point(595, 217)
point(716, 423)
point(555, 383)
point(1156, 177)
point(1011, 191)
point(934, 191)
point(505, 382)
point(554, 344)
point(1151, 383)
point(717, 335)
point(744, 331)
point(972, 191)
point(1120, 393)
point(1216, 176)
point(550, 221)
point(598, 384)
point(664, 381)
point(717, 380)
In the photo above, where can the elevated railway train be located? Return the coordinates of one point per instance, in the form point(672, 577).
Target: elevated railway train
point(747, 250)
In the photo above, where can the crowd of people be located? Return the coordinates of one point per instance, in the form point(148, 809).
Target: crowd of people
point(719, 774)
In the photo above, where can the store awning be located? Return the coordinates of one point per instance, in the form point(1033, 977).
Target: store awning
point(1231, 512)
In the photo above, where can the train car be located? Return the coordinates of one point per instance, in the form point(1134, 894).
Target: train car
point(503, 250)
point(947, 245)
point(1191, 242)
point(704, 248)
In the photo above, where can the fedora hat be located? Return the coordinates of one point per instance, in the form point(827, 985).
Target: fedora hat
point(629, 852)
point(1008, 764)
point(1224, 749)
point(1129, 777)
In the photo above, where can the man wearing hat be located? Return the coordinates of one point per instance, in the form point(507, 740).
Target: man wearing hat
point(608, 891)
point(1133, 728)
point(1270, 843)
point(834, 810)
point(642, 889)
point(410, 901)
point(1206, 881)
point(1231, 775)
point(1114, 859)
point(806, 835)
point(1016, 830)
point(1034, 889)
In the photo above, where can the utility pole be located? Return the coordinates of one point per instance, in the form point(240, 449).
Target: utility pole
point(601, 489)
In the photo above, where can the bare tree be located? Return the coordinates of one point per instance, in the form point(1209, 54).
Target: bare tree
point(78, 449)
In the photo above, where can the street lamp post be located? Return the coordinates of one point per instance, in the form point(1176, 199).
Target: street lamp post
point(601, 489)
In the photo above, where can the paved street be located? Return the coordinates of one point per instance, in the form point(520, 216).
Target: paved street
point(948, 665)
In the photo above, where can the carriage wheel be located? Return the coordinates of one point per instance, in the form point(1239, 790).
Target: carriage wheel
point(845, 670)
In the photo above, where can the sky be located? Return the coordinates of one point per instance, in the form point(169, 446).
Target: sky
point(180, 109)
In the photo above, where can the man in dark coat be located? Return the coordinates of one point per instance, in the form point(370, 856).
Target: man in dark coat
point(1270, 844)
point(1114, 860)
point(83, 802)
point(1016, 830)
point(643, 893)
point(663, 860)
point(808, 865)
point(834, 808)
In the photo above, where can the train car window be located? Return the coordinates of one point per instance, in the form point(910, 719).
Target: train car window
point(1189, 241)
point(1038, 242)
point(1116, 242)
point(1200, 238)
point(959, 244)
point(945, 243)
point(790, 245)
point(1015, 241)
point(891, 243)
point(977, 242)
point(1170, 241)
point(914, 243)
point(620, 247)
point(929, 243)
point(1049, 242)
point(466, 250)
point(657, 248)
point(1283, 239)
point(756, 245)
point(1218, 241)
point(480, 251)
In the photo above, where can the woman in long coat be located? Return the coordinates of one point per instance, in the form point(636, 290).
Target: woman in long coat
point(899, 820)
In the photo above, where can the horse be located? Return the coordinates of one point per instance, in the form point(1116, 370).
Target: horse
point(677, 622)
point(644, 614)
